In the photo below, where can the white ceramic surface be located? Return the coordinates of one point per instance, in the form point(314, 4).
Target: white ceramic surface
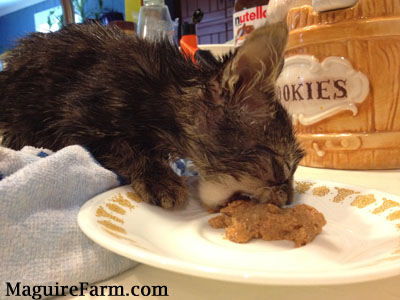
point(327, 5)
point(357, 244)
point(313, 90)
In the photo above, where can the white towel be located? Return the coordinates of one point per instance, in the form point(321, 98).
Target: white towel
point(41, 193)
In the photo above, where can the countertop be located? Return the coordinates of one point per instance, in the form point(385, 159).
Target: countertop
point(184, 287)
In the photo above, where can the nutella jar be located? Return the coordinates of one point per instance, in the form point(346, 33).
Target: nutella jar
point(249, 15)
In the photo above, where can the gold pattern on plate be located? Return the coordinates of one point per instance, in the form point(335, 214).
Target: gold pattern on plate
point(100, 212)
point(122, 201)
point(363, 200)
point(303, 186)
point(321, 191)
point(385, 205)
point(342, 194)
point(394, 216)
point(398, 226)
point(121, 237)
point(118, 236)
point(116, 208)
point(385, 259)
point(133, 196)
point(111, 226)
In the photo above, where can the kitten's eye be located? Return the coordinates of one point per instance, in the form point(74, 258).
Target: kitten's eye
point(286, 170)
point(277, 169)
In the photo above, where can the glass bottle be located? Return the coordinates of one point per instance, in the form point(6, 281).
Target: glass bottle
point(155, 21)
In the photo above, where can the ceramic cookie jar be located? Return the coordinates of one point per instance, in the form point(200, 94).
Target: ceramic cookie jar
point(341, 82)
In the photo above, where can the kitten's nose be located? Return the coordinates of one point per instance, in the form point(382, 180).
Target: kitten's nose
point(278, 195)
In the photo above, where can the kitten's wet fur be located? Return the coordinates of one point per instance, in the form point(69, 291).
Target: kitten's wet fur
point(137, 105)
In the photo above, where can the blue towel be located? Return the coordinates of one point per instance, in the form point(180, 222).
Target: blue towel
point(41, 193)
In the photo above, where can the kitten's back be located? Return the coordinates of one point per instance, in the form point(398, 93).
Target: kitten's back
point(89, 81)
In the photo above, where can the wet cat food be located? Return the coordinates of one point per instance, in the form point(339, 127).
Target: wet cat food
point(246, 220)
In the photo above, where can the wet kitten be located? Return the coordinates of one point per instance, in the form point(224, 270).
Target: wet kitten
point(137, 105)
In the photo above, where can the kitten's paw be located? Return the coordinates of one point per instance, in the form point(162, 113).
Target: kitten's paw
point(170, 193)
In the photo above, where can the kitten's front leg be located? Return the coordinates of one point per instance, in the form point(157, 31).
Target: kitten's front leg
point(150, 175)
point(160, 185)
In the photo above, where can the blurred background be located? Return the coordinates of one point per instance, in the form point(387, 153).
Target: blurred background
point(20, 17)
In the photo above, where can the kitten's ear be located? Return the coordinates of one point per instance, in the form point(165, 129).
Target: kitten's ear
point(257, 62)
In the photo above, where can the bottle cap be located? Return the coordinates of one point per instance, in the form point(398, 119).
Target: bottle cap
point(153, 2)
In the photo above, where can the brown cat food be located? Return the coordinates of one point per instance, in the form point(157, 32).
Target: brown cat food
point(246, 220)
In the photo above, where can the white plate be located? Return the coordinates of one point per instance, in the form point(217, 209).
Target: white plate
point(360, 242)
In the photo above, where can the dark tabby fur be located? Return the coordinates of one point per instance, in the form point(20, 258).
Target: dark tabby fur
point(136, 105)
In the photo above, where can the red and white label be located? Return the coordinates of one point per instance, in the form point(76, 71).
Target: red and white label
point(245, 21)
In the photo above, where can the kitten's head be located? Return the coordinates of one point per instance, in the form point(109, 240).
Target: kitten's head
point(246, 144)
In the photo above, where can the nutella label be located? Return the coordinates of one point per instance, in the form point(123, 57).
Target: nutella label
point(245, 21)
